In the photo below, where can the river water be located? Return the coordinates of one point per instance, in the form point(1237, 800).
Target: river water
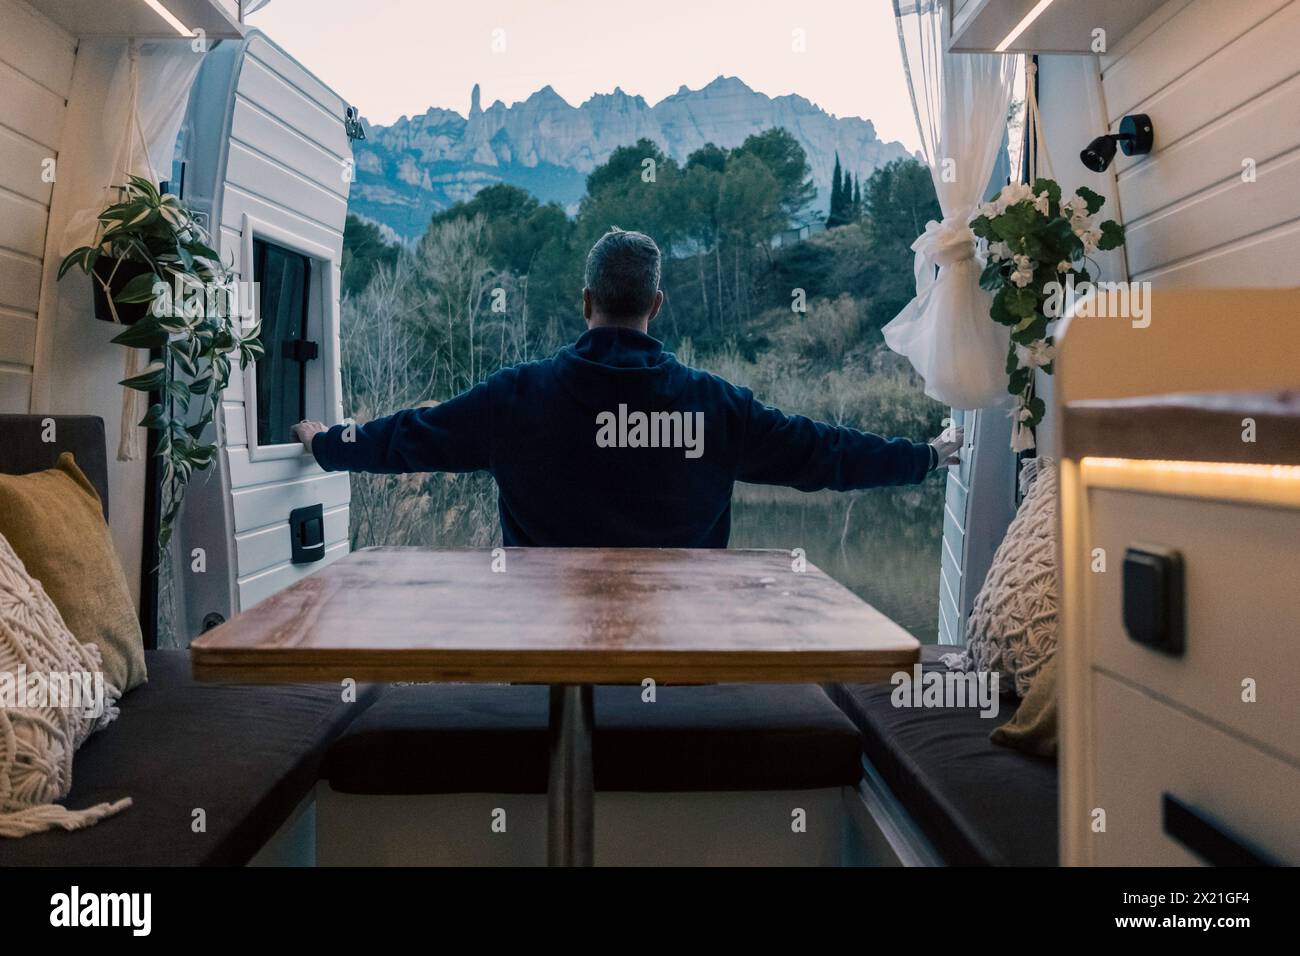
point(883, 544)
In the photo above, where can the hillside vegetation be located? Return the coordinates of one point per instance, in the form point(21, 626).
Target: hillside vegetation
point(497, 280)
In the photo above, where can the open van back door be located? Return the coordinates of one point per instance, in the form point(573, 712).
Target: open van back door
point(267, 157)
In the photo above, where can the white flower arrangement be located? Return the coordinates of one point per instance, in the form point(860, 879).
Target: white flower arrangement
point(1035, 240)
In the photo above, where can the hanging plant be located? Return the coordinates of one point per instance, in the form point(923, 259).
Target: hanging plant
point(153, 263)
point(1036, 243)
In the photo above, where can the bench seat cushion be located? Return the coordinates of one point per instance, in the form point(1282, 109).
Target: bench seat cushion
point(980, 803)
point(493, 739)
point(245, 754)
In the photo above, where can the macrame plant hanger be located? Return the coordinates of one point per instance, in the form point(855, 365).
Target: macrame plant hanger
point(1034, 127)
point(129, 445)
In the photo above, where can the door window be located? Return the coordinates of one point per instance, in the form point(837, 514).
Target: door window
point(283, 278)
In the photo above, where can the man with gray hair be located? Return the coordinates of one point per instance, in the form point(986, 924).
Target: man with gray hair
point(612, 442)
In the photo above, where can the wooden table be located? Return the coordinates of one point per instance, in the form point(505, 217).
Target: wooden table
point(567, 617)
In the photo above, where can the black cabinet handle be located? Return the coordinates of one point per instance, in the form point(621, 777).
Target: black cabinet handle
point(1209, 840)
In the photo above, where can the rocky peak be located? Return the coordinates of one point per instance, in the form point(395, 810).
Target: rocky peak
point(548, 146)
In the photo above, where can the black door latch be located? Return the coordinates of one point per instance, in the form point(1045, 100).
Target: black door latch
point(307, 534)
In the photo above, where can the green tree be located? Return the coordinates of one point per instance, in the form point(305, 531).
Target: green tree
point(701, 197)
point(628, 192)
point(750, 212)
point(710, 157)
point(364, 251)
point(530, 246)
point(518, 226)
point(624, 165)
point(898, 199)
point(788, 163)
point(835, 215)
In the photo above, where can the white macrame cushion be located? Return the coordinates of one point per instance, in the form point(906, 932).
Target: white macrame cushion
point(37, 743)
point(1012, 627)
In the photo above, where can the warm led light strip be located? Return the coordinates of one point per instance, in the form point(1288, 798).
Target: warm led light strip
point(1262, 484)
point(1022, 26)
point(176, 25)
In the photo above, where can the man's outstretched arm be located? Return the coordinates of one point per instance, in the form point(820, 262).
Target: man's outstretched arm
point(452, 436)
point(793, 450)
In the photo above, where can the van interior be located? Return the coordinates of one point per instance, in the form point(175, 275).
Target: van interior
point(1146, 622)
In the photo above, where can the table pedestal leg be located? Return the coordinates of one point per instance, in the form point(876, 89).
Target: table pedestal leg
point(570, 791)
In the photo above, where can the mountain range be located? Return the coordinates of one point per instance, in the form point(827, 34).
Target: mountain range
point(422, 164)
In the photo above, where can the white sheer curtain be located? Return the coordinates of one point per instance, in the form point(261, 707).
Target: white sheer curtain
point(961, 102)
point(143, 106)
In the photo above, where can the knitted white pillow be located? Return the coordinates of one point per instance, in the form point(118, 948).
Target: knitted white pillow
point(40, 735)
point(1012, 627)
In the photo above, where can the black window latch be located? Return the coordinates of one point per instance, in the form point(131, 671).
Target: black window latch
point(299, 350)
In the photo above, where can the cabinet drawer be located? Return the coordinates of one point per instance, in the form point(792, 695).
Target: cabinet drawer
point(1144, 749)
point(1241, 566)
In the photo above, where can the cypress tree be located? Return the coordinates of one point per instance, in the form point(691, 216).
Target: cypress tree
point(835, 216)
point(857, 198)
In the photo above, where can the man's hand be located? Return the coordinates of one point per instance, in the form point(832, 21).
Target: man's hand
point(948, 445)
point(306, 431)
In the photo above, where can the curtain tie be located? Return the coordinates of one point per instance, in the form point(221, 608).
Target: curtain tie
point(945, 243)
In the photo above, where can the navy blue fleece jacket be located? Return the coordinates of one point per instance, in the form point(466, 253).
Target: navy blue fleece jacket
point(574, 470)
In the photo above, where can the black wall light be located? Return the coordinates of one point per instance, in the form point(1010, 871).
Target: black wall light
point(1134, 137)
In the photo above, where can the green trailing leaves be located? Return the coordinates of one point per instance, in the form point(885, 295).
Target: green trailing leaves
point(991, 277)
point(999, 312)
point(1094, 200)
point(83, 258)
point(1020, 302)
point(1016, 223)
point(1053, 191)
point(139, 289)
point(153, 377)
point(145, 334)
point(1112, 235)
point(1030, 330)
point(193, 342)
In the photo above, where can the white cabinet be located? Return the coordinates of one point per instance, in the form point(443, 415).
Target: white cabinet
point(1192, 755)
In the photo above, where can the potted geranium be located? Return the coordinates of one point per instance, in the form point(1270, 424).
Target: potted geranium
point(153, 261)
point(1036, 241)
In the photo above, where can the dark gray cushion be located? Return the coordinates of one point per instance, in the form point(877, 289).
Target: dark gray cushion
point(245, 754)
point(981, 804)
point(83, 435)
point(493, 739)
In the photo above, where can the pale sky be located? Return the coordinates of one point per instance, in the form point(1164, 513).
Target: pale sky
point(394, 57)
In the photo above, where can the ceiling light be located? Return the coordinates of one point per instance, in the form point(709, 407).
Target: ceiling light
point(176, 25)
point(1022, 26)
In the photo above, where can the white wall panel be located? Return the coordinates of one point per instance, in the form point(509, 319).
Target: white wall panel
point(1221, 83)
point(36, 63)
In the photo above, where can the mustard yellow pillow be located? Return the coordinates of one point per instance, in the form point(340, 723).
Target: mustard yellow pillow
point(1033, 728)
point(55, 523)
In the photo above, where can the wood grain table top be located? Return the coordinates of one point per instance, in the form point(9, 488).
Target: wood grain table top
point(559, 615)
